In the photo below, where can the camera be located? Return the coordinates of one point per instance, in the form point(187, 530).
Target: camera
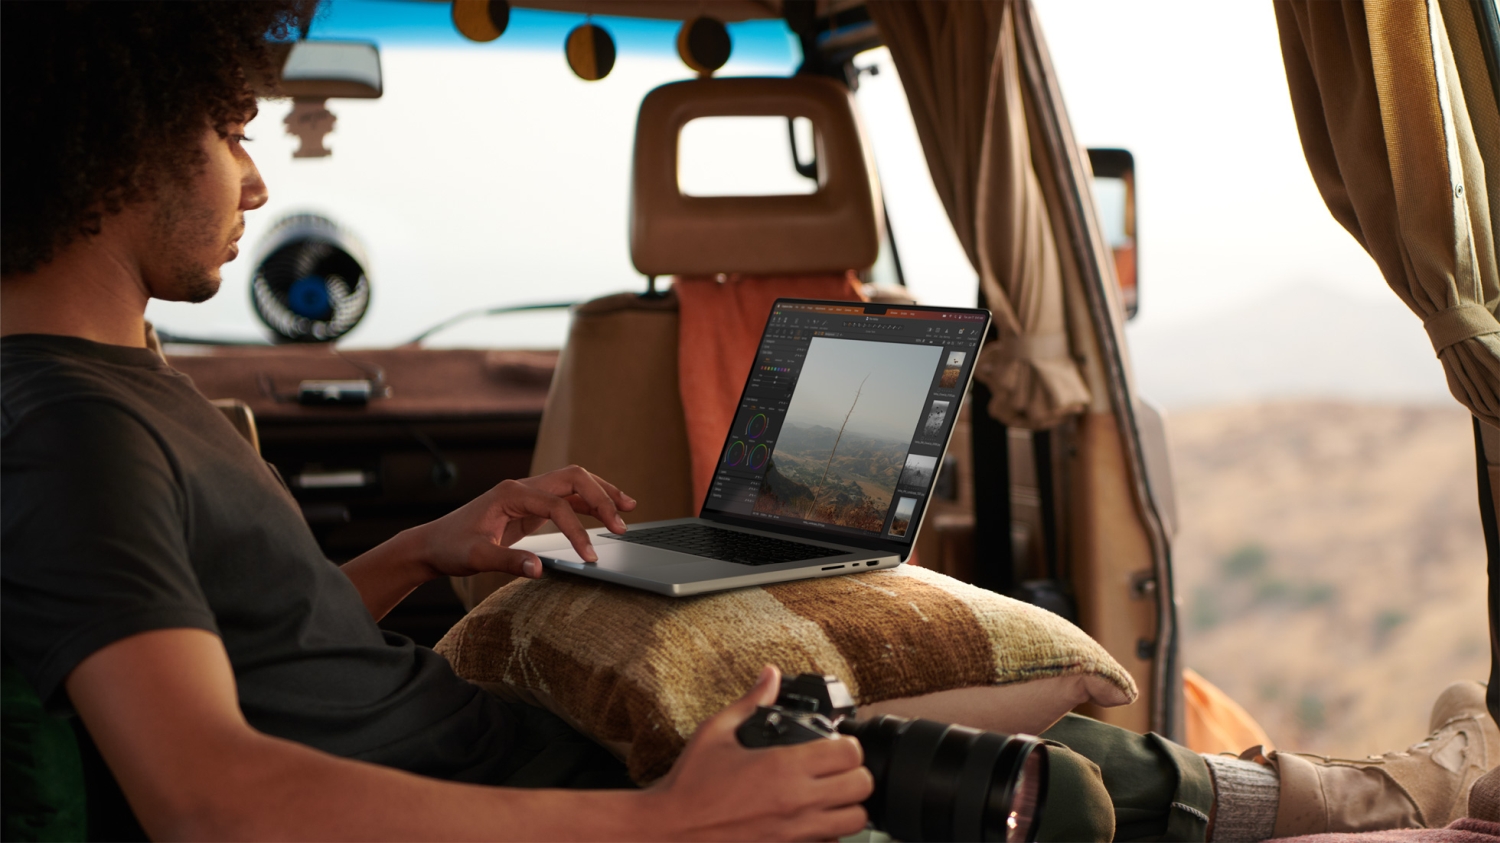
point(933, 781)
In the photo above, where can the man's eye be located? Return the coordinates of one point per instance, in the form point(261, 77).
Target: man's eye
point(241, 138)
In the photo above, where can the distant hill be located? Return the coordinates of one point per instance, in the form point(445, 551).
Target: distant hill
point(1330, 567)
point(1307, 341)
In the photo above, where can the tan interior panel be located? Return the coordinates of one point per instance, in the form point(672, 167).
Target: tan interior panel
point(1111, 555)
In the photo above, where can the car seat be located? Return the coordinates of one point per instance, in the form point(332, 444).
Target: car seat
point(616, 405)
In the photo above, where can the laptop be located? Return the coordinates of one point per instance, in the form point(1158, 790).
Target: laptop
point(829, 464)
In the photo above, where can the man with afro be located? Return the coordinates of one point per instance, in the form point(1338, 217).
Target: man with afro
point(160, 583)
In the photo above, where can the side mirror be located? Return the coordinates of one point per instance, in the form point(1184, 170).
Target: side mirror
point(1114, 196)
point(316, 70)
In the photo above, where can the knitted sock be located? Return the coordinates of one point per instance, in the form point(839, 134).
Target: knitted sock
point(1245, 798)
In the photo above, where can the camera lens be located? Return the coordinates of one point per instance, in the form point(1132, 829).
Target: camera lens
point(936, 781)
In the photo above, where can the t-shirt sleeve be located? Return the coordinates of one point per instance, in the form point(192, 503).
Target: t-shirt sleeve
point(94, 545)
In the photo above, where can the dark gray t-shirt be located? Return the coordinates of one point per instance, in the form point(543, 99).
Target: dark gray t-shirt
point(130, 504)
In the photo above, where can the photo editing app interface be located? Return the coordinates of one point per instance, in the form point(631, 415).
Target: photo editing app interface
point(845, 417)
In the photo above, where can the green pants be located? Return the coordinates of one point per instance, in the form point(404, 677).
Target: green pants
point(1108, 783)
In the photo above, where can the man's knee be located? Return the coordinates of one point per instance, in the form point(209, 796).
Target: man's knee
point(1077, 805)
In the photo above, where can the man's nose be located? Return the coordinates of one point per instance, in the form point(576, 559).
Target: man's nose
point(253, 192)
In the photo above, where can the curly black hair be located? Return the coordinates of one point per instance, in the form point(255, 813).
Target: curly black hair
point(100, 101)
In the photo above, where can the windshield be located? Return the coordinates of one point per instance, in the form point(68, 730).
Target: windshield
point(486, 175)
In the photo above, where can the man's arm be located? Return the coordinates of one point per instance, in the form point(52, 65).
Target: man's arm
point(477, 537)
point(163, 710)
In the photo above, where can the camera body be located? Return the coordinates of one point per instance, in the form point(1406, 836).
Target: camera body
point(933, 781)
point(808, 708)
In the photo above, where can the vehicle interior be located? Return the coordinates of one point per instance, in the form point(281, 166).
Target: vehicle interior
point(1056, 488)
point(1060, 494)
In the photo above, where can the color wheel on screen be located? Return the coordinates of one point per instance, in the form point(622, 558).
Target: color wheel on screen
point(736, 453)
point(756, 426)
point(759, 456)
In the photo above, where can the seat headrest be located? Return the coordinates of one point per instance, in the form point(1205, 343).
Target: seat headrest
point(834, 229)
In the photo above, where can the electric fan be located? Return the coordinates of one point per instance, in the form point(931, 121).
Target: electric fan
point(310, 283)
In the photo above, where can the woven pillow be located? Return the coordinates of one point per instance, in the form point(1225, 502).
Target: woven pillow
point(638, 672)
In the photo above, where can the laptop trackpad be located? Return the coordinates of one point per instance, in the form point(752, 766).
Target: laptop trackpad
point(618, 556)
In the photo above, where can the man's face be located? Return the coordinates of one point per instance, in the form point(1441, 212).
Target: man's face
point(195, 226)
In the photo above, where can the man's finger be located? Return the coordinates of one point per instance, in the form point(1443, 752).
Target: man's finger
point(587, 487)
point(575, 480)
point(767, 686)
point(826, 758)
point(518, 563)
point(763, 692)
point(557, 509)
point(831, 825)
point(623, 501)
point(850, 787)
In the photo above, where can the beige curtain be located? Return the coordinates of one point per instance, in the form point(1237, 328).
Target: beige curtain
point(1399, 125)
point(958, 65)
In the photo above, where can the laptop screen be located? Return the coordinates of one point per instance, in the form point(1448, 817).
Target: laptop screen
point(844, 420)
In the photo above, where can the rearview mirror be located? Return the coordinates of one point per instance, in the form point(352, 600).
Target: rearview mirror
point(318, 70)
point(1114, 196)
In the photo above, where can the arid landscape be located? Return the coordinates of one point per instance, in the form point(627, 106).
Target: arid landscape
point(1330, 565)
point(856, 491)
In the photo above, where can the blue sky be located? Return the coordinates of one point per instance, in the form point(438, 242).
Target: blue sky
point(407, 23)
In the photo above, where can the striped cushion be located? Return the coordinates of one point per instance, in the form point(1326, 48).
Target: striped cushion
point(639, 672)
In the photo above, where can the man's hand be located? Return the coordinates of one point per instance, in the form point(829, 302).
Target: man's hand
point(720, 790)
point(478, 536)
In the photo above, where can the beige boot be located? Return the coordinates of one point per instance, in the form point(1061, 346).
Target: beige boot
point(1427, 786)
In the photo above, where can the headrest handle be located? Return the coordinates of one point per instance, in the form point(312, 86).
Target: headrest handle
point(834, 229)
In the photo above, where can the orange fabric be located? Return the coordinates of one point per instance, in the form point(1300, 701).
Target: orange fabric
point(719, 328)
point(1215, 723)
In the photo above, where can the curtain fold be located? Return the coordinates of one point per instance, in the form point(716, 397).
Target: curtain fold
point(958, 64)
point(1399, 125)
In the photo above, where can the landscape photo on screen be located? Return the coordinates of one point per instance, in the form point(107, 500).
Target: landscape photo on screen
point(843, 444)
point(902, 520)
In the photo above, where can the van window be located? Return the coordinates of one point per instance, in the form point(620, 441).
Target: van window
point(487, 175)
point(1330, 548)
point(933, 262)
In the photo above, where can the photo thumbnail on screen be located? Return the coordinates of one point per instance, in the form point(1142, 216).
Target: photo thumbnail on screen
point(843, 444)
point(918, 471)
point(936, 416)
point(901, 521)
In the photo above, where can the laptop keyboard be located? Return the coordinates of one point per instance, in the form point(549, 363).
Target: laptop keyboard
point(725, 545)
